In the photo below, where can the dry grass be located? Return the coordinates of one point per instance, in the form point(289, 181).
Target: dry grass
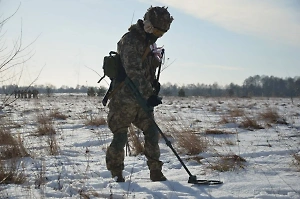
point(11, 147)
point(45, 125)
point(10, 174)
point(10, 150)
point(236, 112)
point(228, 163)
point(53, 146)
point(95, 121)
point(57, 115)
point(40, 179)
point(250, 123)
point(271, 116)
point(296, 161)
point(135, 141)
point(195, 158)
point(43, 119)
point(190, 143)
point(225, 119)
point(46, 129)
point(217, 132)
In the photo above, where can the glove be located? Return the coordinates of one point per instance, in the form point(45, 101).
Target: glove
point(156, 86)
point(154, 100)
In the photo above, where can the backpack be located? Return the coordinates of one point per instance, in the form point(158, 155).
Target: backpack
point(112, 66)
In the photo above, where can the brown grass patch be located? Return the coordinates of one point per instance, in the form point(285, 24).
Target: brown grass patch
point(10, 174)
point(271, 115)
point(46, 129)
point(225, 119)
point(190, 143)
point(217, 132)
point(10, 150)
point(135, 141)
point(195, 158)
point(11, 147)
point(296, 161)
point(53, 146)
point(43, 119)
point(229, 163)
point(236, 112)
point(58, 115)
point(250, 124)
point(95, 121)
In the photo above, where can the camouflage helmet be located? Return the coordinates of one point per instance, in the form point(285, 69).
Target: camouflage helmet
point(159, 17)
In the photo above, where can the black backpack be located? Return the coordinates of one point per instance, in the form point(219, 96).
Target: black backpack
point(112, 67)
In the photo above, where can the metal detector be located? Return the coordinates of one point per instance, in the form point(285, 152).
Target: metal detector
point(142, 102)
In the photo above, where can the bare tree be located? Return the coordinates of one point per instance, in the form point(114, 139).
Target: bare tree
point(12, 59)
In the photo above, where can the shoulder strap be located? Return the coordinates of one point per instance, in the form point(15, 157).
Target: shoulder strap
point(146, 53)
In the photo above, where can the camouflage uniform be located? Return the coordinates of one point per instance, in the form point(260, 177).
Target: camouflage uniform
point(123, 108)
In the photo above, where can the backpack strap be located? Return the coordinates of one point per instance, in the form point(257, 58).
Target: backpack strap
point(146, 53)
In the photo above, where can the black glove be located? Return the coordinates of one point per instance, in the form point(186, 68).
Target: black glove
point(156, 86)
point(154, 100)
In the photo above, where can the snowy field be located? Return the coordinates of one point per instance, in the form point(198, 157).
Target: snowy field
point(265, 164)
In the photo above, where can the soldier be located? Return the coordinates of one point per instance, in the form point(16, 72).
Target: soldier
point(123, 108)
point(29, 93)
point(35, 93)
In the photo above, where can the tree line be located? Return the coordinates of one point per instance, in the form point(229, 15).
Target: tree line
point(253, 86)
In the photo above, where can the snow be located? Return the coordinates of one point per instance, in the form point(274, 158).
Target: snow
point(79, 170)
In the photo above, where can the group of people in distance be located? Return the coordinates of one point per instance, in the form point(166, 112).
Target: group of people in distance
point(26, 93)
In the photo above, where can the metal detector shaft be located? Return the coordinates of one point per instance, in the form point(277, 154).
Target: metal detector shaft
point(147, 109)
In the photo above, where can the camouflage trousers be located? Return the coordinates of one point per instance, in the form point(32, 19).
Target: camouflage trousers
point(119, 119)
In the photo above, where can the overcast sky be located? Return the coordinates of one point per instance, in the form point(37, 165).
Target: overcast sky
point(223, 41)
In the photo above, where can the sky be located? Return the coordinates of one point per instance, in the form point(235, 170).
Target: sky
point(209, 41)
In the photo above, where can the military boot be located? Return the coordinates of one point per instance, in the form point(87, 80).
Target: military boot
point(119, 176)
point(157, 175)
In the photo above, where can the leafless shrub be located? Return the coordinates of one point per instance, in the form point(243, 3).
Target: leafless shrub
point(95, 121)
point(190, 143)
point(228, 163)
point(12, 60)
point(135, 141)
point(250, 123)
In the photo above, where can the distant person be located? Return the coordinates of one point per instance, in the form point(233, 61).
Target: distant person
point(123, 108)
point(35, 93)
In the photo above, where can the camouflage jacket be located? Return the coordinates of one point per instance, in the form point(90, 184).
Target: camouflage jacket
point(131, 48)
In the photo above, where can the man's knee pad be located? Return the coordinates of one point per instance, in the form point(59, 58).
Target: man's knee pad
point(119, 141)
point(152, 134)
